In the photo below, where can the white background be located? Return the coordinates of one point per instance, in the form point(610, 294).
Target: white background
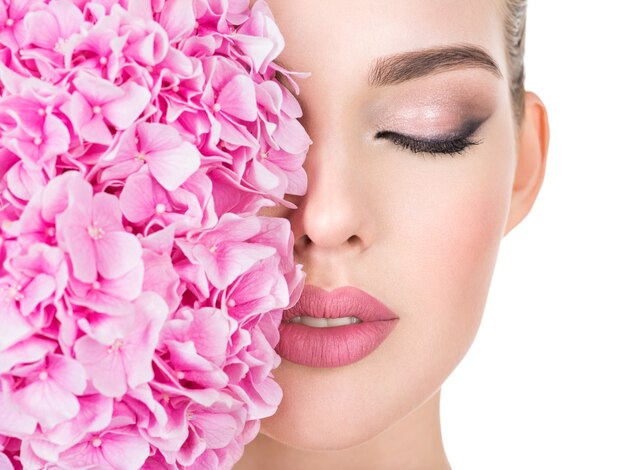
point(543, 386)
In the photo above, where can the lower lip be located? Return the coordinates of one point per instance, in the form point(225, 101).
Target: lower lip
point(331, 346)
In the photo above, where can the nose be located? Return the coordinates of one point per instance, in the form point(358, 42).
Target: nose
point(331, 215)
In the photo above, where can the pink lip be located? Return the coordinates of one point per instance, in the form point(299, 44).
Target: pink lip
point(339, 345)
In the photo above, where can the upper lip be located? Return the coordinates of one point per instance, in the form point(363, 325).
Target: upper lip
point(346, 301)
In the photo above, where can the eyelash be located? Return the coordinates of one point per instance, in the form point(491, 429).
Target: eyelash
point(454, 146)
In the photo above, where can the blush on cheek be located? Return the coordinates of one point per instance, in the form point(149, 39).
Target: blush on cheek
point(473, 253)
point(474, 238)
point(458, 252)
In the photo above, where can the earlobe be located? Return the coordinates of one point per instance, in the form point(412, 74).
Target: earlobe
point(533, 140)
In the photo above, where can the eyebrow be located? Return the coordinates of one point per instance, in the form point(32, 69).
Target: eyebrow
point(398, 68)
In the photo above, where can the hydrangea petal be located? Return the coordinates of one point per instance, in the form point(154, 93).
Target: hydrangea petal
point(178, 19)
point(15, 328)
point(171, 168)
point(217, 429)
point(128, 450)
point(123, 111)
point(31, 350)
point(39, 289)
point(238, 98)
point(150, 315)
point(138, 199)
point(105, 368)
point(117, 253)
point(82, 253)
point(96, 412)
point(48, 402)
point(43, 29)
point(5, 463)
point(67, 372)
point(13, 420)
point(96, 90)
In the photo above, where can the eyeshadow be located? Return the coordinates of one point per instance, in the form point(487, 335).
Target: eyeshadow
point(434, 108)
point(465, 129)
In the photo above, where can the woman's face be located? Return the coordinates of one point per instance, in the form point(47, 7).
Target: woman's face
point(418, 231)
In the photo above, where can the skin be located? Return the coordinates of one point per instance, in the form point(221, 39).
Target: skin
point(419, 232)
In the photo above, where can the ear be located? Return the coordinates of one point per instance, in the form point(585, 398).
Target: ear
point(533, 139)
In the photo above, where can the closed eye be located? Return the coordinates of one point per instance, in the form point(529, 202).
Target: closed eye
point(455, 145)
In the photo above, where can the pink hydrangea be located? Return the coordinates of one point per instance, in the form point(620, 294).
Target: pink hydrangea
point(140, 292)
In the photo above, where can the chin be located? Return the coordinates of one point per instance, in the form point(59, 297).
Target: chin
point(331, 408)
point(303, 430)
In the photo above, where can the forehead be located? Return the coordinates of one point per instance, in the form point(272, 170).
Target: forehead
point(337, 40)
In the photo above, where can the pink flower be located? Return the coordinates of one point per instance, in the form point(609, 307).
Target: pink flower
point(42, 274)
point(140, 293)
point(13, 420)
point(28, 351)
point(5, 462)
point(289, 134)
point(259, 37)
point(11, 448)
point(119, 446)
point(16, 326)
point(208, 430)
point(223, 252)
point(101, 47)
point(95, 414)
point(53, 383)
point(178, 19)
point(92, 232)
point(163, 417)
point(197, 344)
point(160, 277)
point(22, 182)
point(147, 41)
point(12, 30)
point(51, 27)
point(261, 398)
point(36, 139)
point(230, 101)
point(143, 200)
point(275, 169)
point(96, 103)
point(170, 159)
point(191, 369)
point(121, 356)
point(110, 296)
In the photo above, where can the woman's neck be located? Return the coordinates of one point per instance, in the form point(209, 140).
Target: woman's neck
point(413, 443)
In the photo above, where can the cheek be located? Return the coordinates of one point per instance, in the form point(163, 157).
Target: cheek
point(450, 239)
point(457, 258)
point(459, 238)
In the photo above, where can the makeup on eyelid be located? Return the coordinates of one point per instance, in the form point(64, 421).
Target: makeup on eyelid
point(434, 108)
point(432, 138)
point(464, 128)
point(431, 122)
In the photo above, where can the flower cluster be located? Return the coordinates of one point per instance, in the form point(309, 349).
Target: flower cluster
point(140, 291)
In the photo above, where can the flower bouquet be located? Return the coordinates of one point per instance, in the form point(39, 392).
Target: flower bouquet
point(140, 292)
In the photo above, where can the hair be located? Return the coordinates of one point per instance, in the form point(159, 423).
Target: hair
point(515, 35)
